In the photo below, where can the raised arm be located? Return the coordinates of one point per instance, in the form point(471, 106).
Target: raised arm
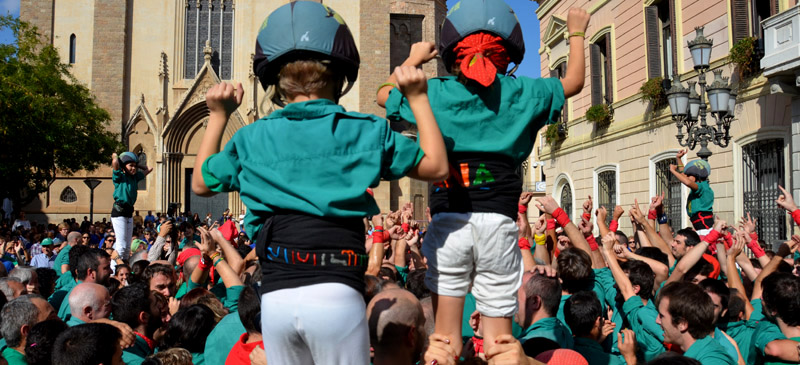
point(548, 204)
point(115, 161)
point(227, 273)
point(661, 270)
point(693, 255)
point(651, 233)
point(541, 252)
point(623, 282)
point(420, 53)
point(155, 251)
point(577, 21)
point(683, 178)
point(786, 249)
point(433, 165)
point(734, 281)
point(222, 101)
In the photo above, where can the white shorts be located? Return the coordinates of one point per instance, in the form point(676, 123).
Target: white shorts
point(475, 247)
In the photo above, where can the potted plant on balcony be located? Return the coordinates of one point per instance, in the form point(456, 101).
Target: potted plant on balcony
point(555, 132)
point(653, 91)
point(599, 114)
point(744, 54)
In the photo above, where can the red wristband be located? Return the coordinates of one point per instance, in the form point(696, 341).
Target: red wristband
point(587, 217)
point(613, 226)
point(524, 244)
point(377, 235)
point(561, 217)
point(756, 248)
point(796, 216)
point(522, 208)
point(713, 248)
point(711, 237)
point(592, 242)
point(405, 227)
point(652, 214)
point(754, 236)
point(728, 239)
point(551, 224)
point(203, 265)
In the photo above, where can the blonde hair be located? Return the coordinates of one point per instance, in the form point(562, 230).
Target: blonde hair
point(303, 77)
point(173, 356)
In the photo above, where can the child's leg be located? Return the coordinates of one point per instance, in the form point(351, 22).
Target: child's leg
point(448, 248)
point(498, 268)
point(122, 244)
point(448, 316)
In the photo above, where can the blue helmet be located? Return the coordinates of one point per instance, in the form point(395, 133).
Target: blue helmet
point(698, 168)
point(471, 16)
point(304, 30)
point(128, 157)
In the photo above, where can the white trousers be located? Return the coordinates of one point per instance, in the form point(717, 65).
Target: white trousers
point(315, 324)
point(123, 229)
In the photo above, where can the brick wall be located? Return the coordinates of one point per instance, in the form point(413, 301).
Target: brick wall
point(108, 58)
point(40, 14)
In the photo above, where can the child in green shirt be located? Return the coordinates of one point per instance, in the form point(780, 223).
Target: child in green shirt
point(303, 173)
point(700, 204)
point(490, 121)
point(126, 177)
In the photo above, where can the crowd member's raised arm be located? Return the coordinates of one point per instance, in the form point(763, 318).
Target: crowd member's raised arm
point(656, 216)
point(786, 249)
point(376, 252)
point(525, 238)
point(227, 273)
point(597, 258)
point(548, 204)
point(623, 283)
point(541, 251)
point(786, 201)
point(654, 237)
point(661, 270)
point(749, 226)
point(734, 281)
point(601, 213)
point(155, 251)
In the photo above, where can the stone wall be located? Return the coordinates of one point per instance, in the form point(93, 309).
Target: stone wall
point(40, 14)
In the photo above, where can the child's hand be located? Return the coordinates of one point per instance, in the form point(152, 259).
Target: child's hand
point(411, 81)
point(223, 98)
point(422, 52)
point(577, 20)
point(681, 153)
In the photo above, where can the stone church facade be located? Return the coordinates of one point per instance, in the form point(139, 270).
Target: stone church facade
point(150, 62)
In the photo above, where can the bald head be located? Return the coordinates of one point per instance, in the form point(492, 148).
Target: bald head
point(392, 315)
point(189, 265)
point(89, 301)
point(73, 238)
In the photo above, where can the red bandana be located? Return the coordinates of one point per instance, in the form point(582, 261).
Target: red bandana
point(150, 343)
point(472, 53)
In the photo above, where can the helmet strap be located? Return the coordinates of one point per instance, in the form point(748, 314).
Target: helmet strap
point(511, 72)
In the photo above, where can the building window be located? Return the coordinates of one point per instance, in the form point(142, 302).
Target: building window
point(559, 71)
point(142, 185)
point(763, 170)
point(607, 191)
point(68, 195)
point(746, 17)
point(661, 44)
point(668, 184)
point(210, 20)
point(404, 30)
point(566, 199)
point(72, 48)
point(601, 71)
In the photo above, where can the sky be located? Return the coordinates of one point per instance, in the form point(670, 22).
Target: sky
point(530, 66)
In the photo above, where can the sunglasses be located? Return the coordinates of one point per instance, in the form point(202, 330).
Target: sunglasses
point(111, 240)
point(85, 237)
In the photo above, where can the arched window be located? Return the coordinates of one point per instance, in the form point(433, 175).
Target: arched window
point(664, 182)
point(566, 199)
point(72, 48)
point(139, 151)
point(605, 189)
point(68, 195)
point(763, 170)
point(208, 20)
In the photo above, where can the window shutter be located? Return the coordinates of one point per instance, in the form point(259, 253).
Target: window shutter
point(674, 30)
point(739, 17)
point(653, 52)
point(596, 74)
point(609, 70)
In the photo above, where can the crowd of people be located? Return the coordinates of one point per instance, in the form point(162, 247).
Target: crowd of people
point(315, 273)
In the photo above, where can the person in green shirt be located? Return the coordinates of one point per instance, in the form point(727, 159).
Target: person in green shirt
point(19, 316)
point(126, 177)
point(700, 204)
point(61, 264)
point(100, 343)
point(136, 306)
point(307, 167)
point(686, 314)
point(93, 266)
point(539, 298)
point(584, 316)
point(781, 299)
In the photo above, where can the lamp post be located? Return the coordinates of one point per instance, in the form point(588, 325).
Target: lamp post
point(688, 107)
point(92, 184)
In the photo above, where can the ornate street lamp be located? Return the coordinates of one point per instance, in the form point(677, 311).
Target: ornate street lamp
point(688, 107)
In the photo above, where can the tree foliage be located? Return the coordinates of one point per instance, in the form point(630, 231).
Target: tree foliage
point(49, 122)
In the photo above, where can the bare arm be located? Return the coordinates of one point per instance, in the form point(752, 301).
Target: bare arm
point(690, 259)
point(227, 273)
point(786, 248)
point(577, 21)
point(652, 235)
point(734, 282)
point(222, 100)
point(683, 178)
point(661, 270)
point(624, 284)
point(115, 161)
point(420, 53)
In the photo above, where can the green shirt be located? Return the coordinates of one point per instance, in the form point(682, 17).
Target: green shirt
point(136, 354)
point(765, 333)
point(594, 354)
point(198, 358)
point(501, 119)
point(642, 319)
point(64, 309)
point(550, 328)
point(311, 157)
point(402, 274)
point(726, 344)
point(709, 352)
point(60, 296)
point(742, 332)
point(65, 281)
point(61, 259)
point(14, 357)
point(186, 287)
point(223, 337)
point(126, 186)
point(74, 321)
point(700, 200)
